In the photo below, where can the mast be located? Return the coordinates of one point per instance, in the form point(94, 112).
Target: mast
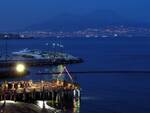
point(6, 47)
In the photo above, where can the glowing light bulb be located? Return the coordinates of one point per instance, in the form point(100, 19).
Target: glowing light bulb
point(20, 68)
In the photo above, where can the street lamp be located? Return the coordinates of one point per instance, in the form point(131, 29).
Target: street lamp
point(20, 68)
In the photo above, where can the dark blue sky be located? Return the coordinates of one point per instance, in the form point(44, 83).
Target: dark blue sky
point(16, 14)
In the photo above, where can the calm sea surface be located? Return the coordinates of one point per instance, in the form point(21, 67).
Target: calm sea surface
point(102, 93)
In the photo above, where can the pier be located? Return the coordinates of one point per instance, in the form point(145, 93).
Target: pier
point(55, 92)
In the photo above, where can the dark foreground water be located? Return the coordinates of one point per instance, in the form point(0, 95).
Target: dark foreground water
point(103, 93)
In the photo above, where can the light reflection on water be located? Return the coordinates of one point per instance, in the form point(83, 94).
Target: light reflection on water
point(43, 105)
point(67, 107)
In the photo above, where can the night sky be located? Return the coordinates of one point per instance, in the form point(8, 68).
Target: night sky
point(17, 14)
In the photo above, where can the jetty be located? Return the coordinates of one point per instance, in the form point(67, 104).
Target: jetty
point(28, 91)
point(58, 93)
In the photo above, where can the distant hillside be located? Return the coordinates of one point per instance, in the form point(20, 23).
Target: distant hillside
point(70, 22)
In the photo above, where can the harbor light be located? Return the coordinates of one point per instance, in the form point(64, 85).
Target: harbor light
point(20, 68)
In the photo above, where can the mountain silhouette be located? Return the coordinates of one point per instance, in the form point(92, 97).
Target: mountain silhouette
point(71, 22)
